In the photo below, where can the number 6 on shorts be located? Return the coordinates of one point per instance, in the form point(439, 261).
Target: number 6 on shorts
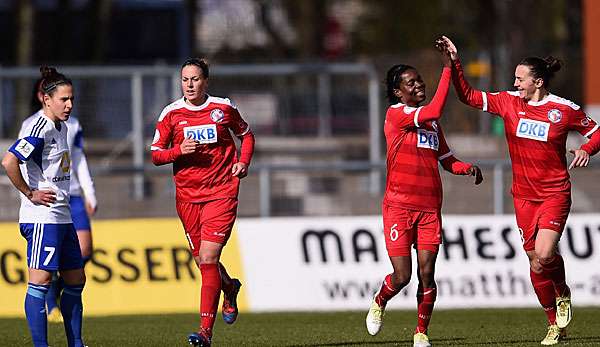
point(394, 232)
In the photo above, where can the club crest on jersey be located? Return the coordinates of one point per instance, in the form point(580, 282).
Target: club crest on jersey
point(427, 139)
point(202, 133)
point(533, 129)
point(554, 115)
point(217, 115)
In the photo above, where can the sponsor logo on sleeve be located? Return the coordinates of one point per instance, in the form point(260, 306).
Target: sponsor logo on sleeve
point(554, 115)
point(24, 148)
point(217, 115)
point(202, 133)
point(586, 121)
point(427, 139)
point(533, 129)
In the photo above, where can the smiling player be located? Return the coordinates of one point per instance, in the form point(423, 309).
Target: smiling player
point(536, 125)
point(413, 194)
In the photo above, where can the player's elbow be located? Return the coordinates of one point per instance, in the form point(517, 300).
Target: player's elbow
point(7, 160)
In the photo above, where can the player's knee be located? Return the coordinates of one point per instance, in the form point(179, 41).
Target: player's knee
point(535, 266)
point(400, 279)
point(209, 258)
point(86, 252)
point(74, 277)
point(426, 277)
point(545, 257)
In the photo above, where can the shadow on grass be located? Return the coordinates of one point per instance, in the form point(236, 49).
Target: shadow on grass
point(456, 340)
point(461, 342)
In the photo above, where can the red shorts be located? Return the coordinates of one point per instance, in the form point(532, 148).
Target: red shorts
point(403, 228)
point(532, 216)
point(207, 221)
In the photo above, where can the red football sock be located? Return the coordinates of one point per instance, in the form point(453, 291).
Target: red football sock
point(544, 289)
point(386, 292)
point(555, 270)
point(209, 295)
point(425, 300)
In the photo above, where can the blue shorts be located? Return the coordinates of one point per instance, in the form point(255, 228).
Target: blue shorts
point(81, 220)
point(52, 247)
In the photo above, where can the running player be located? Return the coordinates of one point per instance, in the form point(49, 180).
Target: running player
point(82, 206)
point(194, 134)
point(45, 217)
point(413, 196)
point(536, 125)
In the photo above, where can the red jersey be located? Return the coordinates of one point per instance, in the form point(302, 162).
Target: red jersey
point(536, 133)
point(415, 144)
point(206, 174)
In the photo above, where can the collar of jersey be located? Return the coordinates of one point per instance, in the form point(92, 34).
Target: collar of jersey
point(541, 102)
point(196, 108)
point(41, 112)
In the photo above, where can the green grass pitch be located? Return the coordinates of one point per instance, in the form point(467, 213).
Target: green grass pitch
point(489, 327)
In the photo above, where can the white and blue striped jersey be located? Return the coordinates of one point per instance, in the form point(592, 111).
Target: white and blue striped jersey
point(45, 165)
point(81, 180)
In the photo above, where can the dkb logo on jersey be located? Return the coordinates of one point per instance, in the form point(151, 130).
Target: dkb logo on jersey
point(427, 139)
point(201, 133)
point(533, 129)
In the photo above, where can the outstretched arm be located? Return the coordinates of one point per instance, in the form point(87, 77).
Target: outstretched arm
point(433, 110)
point(467, 94)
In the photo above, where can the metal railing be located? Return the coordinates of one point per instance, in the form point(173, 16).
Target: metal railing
point(265, 173)
point(136, 74)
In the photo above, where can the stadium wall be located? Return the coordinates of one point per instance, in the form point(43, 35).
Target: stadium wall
point(300, 264)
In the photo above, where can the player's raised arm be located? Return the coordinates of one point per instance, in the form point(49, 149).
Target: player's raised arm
point(433, 110)
point(465, 92)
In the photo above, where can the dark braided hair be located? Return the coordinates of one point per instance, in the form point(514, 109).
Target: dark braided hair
point(393, 79)
point(542, 68)
point(200, 63)
point(51, 79)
